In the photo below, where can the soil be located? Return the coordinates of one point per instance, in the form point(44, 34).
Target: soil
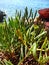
point(29, 61)
point(14, 58)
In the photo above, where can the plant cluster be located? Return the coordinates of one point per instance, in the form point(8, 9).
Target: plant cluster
point(19, 39)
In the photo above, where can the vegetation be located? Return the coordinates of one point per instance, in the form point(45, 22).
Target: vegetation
point(5, 62)
point(20, 38)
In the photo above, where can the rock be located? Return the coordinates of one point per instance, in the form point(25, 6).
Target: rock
point(2, 15)
point(44, 13)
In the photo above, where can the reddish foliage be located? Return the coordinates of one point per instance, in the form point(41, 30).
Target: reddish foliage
point(47, 24)
point(44, 13)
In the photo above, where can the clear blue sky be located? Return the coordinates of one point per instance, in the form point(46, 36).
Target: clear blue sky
point(11, 5)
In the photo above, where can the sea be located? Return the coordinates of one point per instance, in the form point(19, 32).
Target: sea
point(10, 6)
